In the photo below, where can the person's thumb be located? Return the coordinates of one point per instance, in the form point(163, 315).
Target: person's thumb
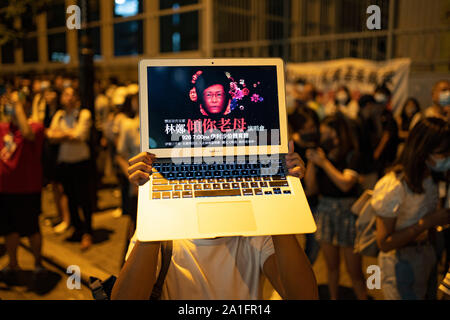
point(291, 146)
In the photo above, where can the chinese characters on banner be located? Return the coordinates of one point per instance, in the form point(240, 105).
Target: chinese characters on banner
point(359, 75)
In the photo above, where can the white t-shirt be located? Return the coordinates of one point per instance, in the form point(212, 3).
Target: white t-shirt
point(128, 140)
point(220, 269)
point(79, 121)
point(393, 199)
point(351, 110)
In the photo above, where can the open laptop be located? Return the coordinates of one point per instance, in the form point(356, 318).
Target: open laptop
point(218, 128)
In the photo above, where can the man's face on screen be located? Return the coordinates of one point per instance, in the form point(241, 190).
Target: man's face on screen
point(214, 97)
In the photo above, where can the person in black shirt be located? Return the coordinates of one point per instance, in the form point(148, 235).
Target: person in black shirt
point(304, 126)
point(410, 108)
point(332, 173)
point(385, 136)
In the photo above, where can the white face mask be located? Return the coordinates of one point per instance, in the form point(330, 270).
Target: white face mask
point(441, 165)
point(380, 98)
point(444, 98)
point(341, 97)
point(300, 87)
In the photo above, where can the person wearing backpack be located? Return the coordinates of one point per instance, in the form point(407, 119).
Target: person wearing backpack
point(405, 202)
point(227, 268)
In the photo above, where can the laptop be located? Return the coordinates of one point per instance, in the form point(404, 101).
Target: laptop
point(218, 128)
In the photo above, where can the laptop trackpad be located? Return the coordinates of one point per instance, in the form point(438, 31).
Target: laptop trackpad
point(219, 217)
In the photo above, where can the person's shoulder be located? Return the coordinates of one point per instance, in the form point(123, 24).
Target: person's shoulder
point(390, 179)
point(85, 113)
point(387, 195)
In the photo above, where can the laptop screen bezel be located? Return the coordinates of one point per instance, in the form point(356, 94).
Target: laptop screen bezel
point(211, 151)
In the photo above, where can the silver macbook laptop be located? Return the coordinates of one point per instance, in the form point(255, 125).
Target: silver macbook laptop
point(219, 130)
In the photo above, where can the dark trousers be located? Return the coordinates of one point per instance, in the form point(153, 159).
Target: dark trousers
point(75, 178)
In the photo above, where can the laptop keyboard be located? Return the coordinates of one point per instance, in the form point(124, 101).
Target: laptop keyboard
point(178, 181)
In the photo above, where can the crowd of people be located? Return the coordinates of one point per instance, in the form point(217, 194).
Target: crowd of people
point(49, 140)
point(354, 145)
point(348, 145)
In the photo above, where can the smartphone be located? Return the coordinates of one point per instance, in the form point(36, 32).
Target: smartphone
point(9, 110)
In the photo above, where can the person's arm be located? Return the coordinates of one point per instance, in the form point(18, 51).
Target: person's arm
point(311, 187)
point(138, 275)
point(389, 239)
point(121, 150)
point(289, 270)
point(381, 145)
point(81, 131)
point(54, 134)
point(402, 134)
point(57, 136)
point(21, 117)
point(343, 180)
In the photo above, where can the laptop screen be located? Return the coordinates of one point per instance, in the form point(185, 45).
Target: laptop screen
point(210, 106)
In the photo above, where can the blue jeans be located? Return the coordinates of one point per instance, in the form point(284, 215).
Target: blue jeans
point(406, 273)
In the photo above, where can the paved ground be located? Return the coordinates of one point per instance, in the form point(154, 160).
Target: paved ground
point(103, 258)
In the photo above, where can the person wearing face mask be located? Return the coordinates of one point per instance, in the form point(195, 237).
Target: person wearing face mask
point(440, 95)
point(332, 173)
point(382, 96)
point(304, 124)
point(343, 103)
point(406, 205)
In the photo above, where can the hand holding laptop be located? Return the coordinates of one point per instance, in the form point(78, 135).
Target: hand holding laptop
point(294, 162)
point(220, 164)
point(140, 166)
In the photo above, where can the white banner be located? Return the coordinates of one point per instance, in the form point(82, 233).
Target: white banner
point(359, 75)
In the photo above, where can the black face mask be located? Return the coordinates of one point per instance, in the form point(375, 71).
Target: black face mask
point(327, 145)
